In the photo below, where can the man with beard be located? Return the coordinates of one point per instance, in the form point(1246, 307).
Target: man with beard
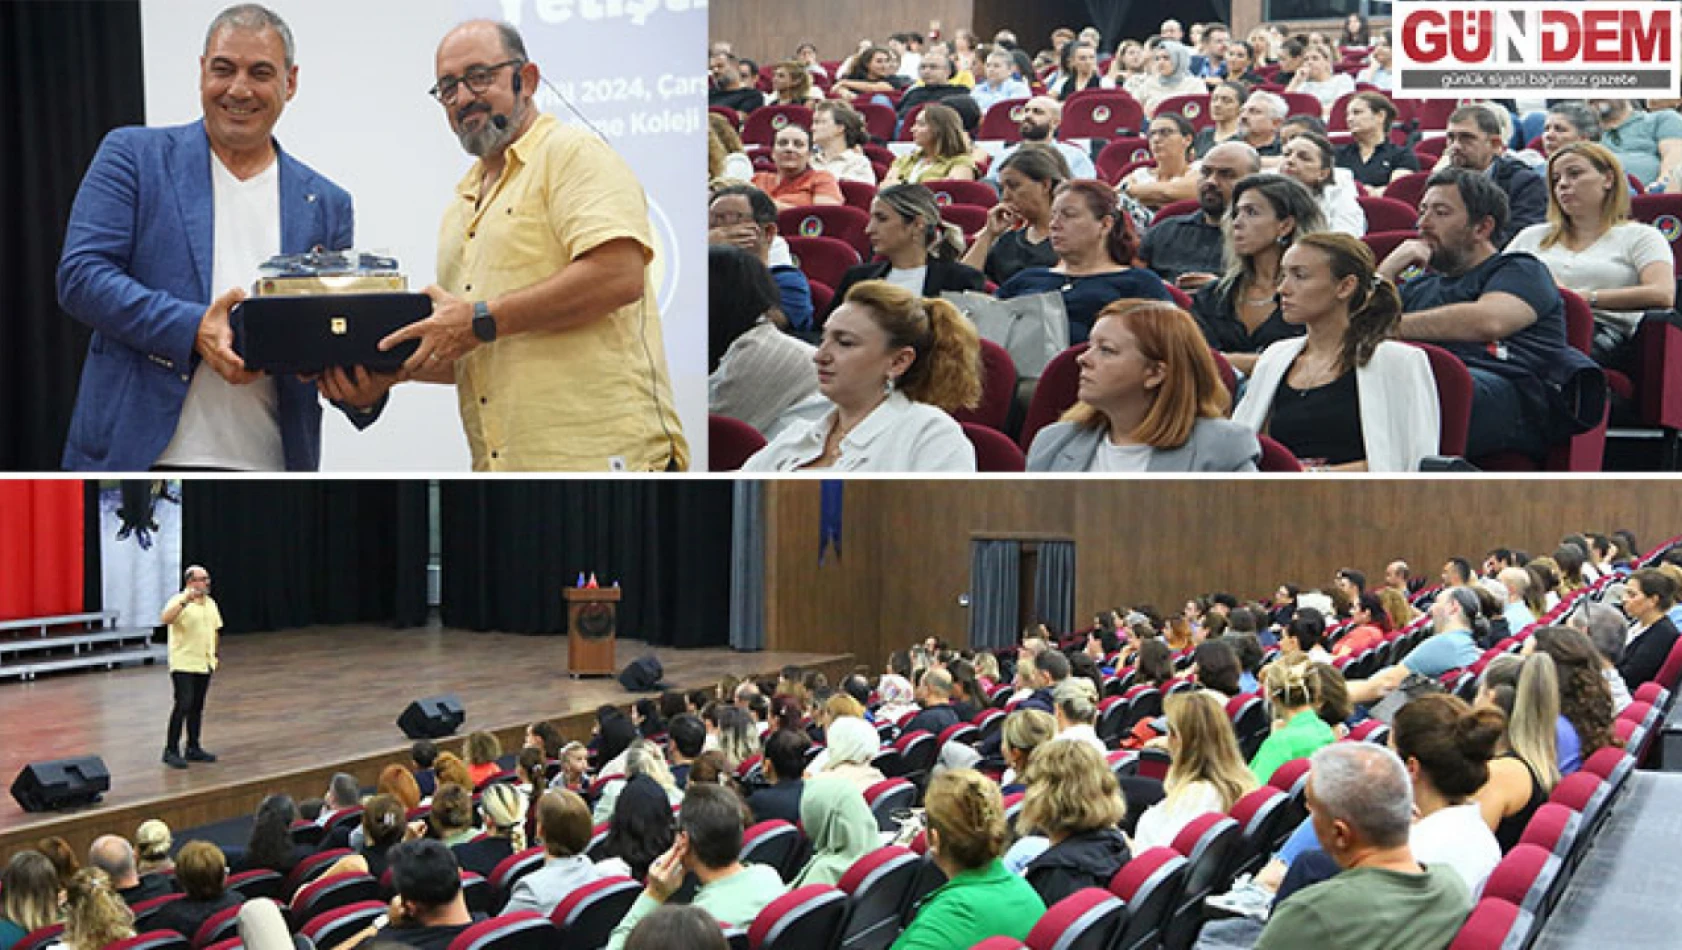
point(1500, 313)
point(543, 315)
point(1041, 116)
point(1649, 144)
point(728, 89)
point(1259, 120)
point(1186, 249)
point(936, 84)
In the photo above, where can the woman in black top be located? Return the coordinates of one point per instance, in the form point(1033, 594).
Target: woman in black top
point(201, 870)
point(1526, 769)
point(1080, 70)
point(1018, 230)
point(1372, 158)
point(1648, 595)
point(1239, 313)
point(906, 232)
point(270, 846)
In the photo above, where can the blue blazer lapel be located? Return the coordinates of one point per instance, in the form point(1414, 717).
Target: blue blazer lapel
point(189, 174)
point(300, 207)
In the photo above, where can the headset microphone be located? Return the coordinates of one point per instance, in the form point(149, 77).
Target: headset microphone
point(498, 119)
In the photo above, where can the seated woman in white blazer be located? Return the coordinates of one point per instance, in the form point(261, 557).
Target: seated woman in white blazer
point(1344, 397)
point(891, 367)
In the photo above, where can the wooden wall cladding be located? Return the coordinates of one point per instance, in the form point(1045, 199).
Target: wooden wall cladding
point(767, 32)
point(906, 557)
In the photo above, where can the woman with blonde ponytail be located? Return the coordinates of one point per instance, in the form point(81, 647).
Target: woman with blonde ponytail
point(1346, 395)
point(503, 808)
point(918, 250)
point(1293, 692)
point(1526, 765)
point(890, 368)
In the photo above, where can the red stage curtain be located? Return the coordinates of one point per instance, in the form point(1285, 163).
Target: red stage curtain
point(40, 548)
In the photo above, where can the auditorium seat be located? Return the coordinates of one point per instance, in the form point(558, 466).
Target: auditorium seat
point(259, 883)
point(879, 120)
point(511, 869)
point(1002, 122)
point(1088, 919)
point(836, 221)
point(969, 219)
point(775, 843)
point(1149, 884)
point(586, 916)
point(1553, 828)
point(1454, 398)
point(1174, 209)
point(147, 909)
point(311, 868)
point(1275, 457)
point(1493, 925)
point(762, 124)
point(822, 258)
point(917, 750)
point(1250, 722)
point(1195, 107)
point(803, 919)
point(1100, 114)
point(220, 926)
point(857, 194)
point(1388, 214)
point(329, 893)
point(306, 832)
point(345, 818)
point(1372, 730)
point(336, 926)
point(520, 930)
point(1012, 808)
point(878, 886)
point(951, 191)
point(962, 733)
point(1153, 763)
point(1408, 189)
point(152, 940)
point(1208, 843)
point(1056, 391)
point(729, 115)
point(1261, 816)
point(1585, 794)
point(994, 451)
point(1292, 779)
point(1121, 151)
point(730, 443)
point(1301, 103)
point(999, 943)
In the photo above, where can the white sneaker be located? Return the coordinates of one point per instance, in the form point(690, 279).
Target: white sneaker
point(1246, 899)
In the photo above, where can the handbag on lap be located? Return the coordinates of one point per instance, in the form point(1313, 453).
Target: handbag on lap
point(1033, 328)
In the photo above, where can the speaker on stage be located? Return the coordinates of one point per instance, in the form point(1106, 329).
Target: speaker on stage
point(61, 783)
point(433, 717)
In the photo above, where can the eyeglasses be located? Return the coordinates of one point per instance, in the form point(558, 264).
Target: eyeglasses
point(477, 79)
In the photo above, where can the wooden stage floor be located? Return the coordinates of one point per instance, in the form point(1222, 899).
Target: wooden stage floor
point(289, 708)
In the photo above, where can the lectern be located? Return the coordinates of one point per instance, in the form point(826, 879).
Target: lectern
point(592, 622)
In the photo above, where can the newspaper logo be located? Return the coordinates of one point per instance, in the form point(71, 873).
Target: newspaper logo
point(1506, 49)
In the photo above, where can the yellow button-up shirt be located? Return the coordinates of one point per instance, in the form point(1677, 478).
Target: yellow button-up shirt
point(595, 397)
point(192, 637)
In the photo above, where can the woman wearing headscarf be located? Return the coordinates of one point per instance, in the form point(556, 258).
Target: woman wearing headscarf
point(897, 698)
point(1169, 75)
point(850, 744)
point(840, 826)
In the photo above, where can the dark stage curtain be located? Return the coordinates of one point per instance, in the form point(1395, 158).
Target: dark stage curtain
point(295, 553)
point(510, 547)
point(72, 72)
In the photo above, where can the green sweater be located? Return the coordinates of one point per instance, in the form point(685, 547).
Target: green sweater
point(989, 901)
point(1372, 909)
point(734, 901)
point(1299, 738)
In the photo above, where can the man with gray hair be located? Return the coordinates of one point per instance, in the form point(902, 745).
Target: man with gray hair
point(998, 82)
point(168, 227)
point(115, 856)
point(1360, 801)
point(1607, 630)
point(1259, 119)
point(195, 626)
point(934, 693)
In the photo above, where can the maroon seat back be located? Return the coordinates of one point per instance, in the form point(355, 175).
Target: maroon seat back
point(994, 452)
point(730, 443)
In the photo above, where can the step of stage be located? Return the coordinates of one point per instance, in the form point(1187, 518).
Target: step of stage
point(96, 659)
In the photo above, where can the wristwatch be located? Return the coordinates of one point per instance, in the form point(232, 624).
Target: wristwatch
point(484, 324)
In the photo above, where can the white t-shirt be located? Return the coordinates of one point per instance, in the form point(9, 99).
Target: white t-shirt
point(1614, 261)
point(1121, 458)
point(911, 278)
point(1457, 837)
point(223, 425)
point(1162, 822)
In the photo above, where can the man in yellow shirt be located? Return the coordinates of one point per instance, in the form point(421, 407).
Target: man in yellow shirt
point(194, 623)
point(544, 315)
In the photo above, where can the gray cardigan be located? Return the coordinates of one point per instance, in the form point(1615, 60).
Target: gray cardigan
point(1216, 445)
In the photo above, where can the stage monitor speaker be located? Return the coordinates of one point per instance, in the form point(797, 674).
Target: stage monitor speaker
point(61, 783)
point(433, 717)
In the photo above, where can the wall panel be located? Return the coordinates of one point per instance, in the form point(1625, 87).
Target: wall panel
point(907, 555)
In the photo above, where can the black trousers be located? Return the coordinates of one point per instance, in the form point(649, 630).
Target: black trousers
point(190, 690)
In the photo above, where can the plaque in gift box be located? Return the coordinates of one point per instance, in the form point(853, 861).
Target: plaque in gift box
point(313, 311)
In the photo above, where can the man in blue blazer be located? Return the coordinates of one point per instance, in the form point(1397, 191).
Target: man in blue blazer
point(163, 218)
